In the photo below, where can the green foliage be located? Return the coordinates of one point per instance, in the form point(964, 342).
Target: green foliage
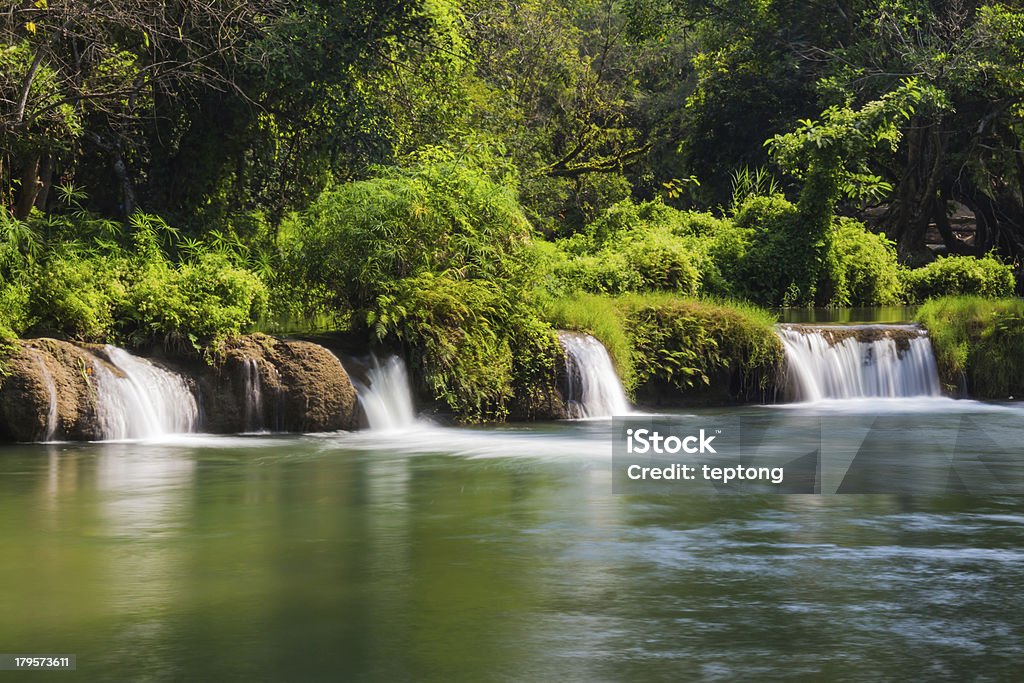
point(440, 215)
point(861, 268)
point(95, 280)
point(686, 344)
point(770, 270)
point(660, 342)
point(189, 303)
point(978, 340)
point(438, 256)
point(74, 296)
point(951, 275)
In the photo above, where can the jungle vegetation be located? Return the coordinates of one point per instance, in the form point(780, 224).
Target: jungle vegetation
point(462, 177)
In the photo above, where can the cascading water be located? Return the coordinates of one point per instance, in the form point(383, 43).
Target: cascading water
point(859, 361)
point(51, 390)
point(253, 396)
point(386, 398)
point(594, 388)
point(135, 399)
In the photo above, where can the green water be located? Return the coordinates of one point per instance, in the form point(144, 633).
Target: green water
point(446, 555)
point(873, 314)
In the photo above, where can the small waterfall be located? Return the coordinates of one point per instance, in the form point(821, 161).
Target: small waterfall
point(594, 388)
point(386, 398)
point(859, 361)
point(135, 399)
point(51, 390)
point(253, 396)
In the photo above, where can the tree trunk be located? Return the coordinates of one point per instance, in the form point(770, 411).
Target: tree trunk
point(953, 245)
point(29, 189)
point(124, 181)
point(46, 180)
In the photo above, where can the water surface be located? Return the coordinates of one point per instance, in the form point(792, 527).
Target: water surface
point(493, 554)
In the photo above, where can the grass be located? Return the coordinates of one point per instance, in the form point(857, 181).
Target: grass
point(978, 340)
point(665, 343)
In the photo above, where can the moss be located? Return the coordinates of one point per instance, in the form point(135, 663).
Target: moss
point(979, 342)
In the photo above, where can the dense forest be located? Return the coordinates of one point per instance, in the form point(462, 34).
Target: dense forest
point(463, 177)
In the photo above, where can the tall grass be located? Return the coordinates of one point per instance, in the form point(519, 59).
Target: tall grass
point(659, 341)
point(978, 340)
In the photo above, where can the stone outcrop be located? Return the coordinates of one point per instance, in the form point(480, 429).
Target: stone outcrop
point(259, 382)
point(48, 393)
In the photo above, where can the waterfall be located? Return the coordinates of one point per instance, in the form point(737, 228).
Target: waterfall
point(859, 361)
point(386, 398)
point(594, 387)
point(136, 399)
point(253, 396)
point(51, 390)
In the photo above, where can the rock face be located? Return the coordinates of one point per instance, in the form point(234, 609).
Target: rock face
point(48, 393)
point(258, 382)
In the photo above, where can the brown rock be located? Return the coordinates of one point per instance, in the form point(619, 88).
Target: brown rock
point(48, 393)
point(259, 382)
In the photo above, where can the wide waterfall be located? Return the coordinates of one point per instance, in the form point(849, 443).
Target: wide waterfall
point(594, 389)
point(386, 397)
point(858, 361)
point(136, 399)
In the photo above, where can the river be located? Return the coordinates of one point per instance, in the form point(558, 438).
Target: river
point(435, 554)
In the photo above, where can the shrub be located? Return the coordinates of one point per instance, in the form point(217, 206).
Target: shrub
point(74, 296)
point(952, 275)
point(861, 268)
point(360, 238)
point(686, 344)
point(661, 342)
point(978, 340)
point(190, 303)
point(439, 257)
point(470, 339)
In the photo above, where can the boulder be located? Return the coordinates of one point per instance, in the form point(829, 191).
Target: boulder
point(48, 393)
point(257, 382)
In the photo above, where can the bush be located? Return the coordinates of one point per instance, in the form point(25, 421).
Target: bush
point(360, 238)
point(190, 303)
point(966, 275)
point(99, 281)
point(470, 339)
point(74, 296)
point(768, 271)
point(663, 343)
point(439, 257)
point(686, 344)
point(978, 340)
point(861, 268)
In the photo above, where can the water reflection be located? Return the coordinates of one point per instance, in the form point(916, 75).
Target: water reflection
point(485, 554)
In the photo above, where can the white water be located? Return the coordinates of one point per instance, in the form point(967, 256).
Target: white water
point(386, 398)
point(594, 388)
point(851, 369)
point(138, 400)
point(253, 396)
point(51, 390)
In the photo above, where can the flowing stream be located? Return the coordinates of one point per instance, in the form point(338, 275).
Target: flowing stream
point(594, 388)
